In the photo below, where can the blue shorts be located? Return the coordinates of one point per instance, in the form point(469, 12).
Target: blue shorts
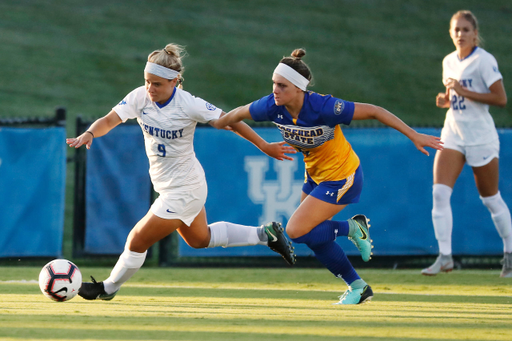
point(343, 192)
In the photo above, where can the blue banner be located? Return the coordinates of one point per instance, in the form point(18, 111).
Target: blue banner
point(247, 187)
point(32, 191)
point(118, 189)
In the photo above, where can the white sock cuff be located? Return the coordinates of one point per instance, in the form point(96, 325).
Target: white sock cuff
point(218, 234)
point(442, 189)
point(133, 259)
point(494, 203)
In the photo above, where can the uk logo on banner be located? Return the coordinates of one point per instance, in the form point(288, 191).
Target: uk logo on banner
point(279, 197)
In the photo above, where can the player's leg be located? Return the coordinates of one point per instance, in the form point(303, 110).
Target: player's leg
point(169, 212)
point(201, 235)
point(448, 164)
point(311, 222)
point(487, 178)
point(146, 232)
point(311, 225)
point(321, 240)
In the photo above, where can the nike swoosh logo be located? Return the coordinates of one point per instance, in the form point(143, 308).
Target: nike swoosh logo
point(170, 211)
point(486, 157)
point(362, 231)
point(274, 238)
point(144, 113)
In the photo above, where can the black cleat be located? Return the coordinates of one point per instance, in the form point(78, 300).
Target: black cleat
point(94, 291)
point(278, 242)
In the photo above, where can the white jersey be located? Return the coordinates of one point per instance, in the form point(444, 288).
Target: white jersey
point(169, 135)
point(471, 120)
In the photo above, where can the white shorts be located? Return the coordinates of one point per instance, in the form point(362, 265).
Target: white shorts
point(476, 156)
point(181, 204)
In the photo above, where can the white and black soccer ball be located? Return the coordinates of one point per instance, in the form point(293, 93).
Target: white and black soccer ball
point(60, 280)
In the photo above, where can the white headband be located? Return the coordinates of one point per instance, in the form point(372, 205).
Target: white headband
point(293, 76)
point(161, 71)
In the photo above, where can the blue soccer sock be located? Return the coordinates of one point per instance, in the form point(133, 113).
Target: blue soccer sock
point(331, 255)
point(326, 231)
point(335, 260)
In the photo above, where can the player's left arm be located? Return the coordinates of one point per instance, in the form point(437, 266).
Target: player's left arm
point(497, 96)
point(363, 111)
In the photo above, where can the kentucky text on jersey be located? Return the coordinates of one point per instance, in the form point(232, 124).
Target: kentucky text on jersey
point(466, 82)
point(165, 134)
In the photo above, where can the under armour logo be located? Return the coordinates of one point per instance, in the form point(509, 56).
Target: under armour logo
point(280, 116)
point(329, 193)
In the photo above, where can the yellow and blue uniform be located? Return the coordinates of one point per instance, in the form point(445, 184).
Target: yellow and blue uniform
point(333, 172)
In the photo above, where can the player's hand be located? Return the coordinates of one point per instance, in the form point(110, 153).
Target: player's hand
point(77, 142)
point(454, 84)
point(443, 99)
point(422, 140)
point(278, 150)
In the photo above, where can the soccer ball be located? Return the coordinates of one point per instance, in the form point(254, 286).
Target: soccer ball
point(60, 280)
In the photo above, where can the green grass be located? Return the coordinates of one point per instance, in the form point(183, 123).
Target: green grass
point(262, 304)
point(86, 55)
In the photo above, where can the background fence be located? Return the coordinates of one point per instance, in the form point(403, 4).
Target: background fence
point(32, 186)
point(247, 187)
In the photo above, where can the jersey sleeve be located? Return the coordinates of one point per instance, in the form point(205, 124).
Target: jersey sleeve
point(131, 106)
point(260, 109)
point(337, 111)
point(445, 69)
point(200, 110)
point(489, 70)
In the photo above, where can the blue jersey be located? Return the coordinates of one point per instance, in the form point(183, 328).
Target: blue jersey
point(315, 132)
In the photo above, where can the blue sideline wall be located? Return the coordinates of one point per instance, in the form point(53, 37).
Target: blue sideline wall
point(32, 191)
point(247, 187)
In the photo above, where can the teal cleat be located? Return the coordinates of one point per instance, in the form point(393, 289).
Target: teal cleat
point(95, 291)
point(360, 235)
point(278, 242)
point(356, 296)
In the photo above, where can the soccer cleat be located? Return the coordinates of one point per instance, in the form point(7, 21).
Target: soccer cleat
point(278, 242)
point(356, 296)
point(507, 265)
point(361, 236)
point(442, 263)
point(94, 291)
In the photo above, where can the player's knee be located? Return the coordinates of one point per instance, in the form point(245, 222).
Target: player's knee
point(197, 243)
point(495, 204)
point(294, 232)
point(441, 194)
point(136, 245)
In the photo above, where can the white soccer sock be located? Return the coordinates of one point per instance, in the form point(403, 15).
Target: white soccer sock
point(228, 234)
point(128, 264)
point(442, 217)
point(500, 215)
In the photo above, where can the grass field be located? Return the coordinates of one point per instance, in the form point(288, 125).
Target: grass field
point(87, 55)
point(262, 304)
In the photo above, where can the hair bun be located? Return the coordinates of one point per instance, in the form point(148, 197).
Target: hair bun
point(298, 53)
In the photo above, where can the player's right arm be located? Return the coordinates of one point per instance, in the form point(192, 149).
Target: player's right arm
point(99, 128)
point(234, 116)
